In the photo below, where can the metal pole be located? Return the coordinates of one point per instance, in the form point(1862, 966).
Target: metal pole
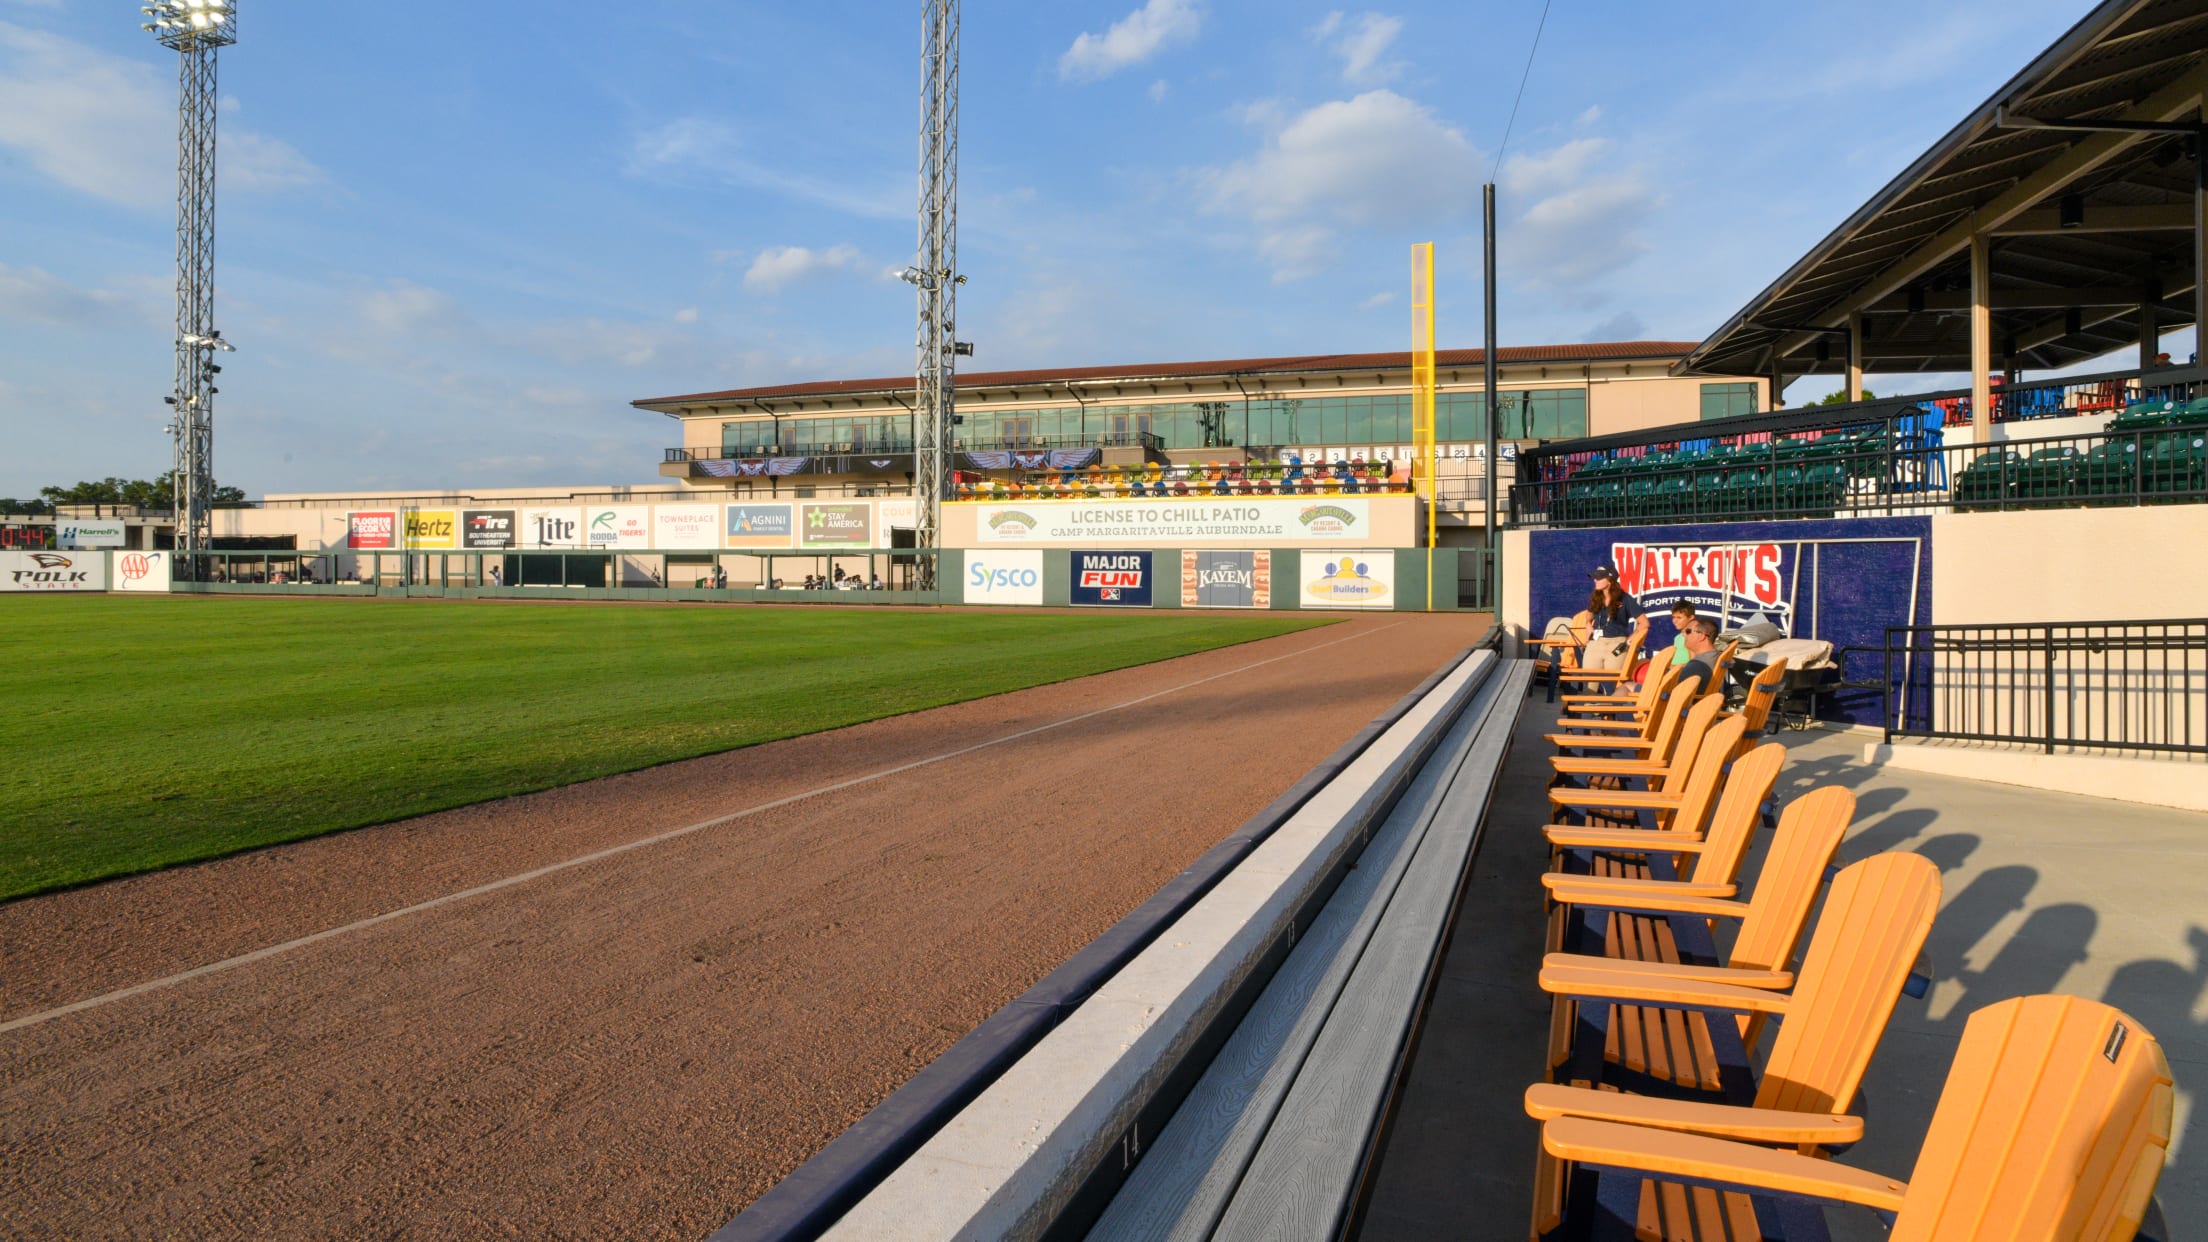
point(1494, 398)
point(935, 275)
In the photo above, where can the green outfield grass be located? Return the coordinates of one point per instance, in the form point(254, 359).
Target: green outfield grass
point(141, 733)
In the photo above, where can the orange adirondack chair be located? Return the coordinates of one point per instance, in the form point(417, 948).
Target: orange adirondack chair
point(1611, 677)
point(1875, 922)
point(2053, 1127)
point(1664, 780)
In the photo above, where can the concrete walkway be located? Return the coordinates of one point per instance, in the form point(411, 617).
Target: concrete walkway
point(2045, 892)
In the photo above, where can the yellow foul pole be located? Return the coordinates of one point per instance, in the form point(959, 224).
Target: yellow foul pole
point(1422, 394)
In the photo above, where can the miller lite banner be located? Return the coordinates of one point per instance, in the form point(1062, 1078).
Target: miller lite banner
point(1112, 579)
point(1840, 580)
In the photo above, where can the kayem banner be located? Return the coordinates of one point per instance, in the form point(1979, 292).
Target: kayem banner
point(487, 528)
point(686, 526)
point(618, 526)
point(551, 528)
point(430, 529)
point(374, 528)
point(1363, 579)
point(1112, 579)
point(1012, 577)
point(142, 571)
point(53, 571)
point(1168, 521)
point(758, 526)
point(1212, 579)
point(835, 526)
point(91, 533)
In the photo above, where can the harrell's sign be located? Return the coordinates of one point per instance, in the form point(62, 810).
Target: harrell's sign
point(1711, 574)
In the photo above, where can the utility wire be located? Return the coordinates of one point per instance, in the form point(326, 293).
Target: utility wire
point(1513, 122)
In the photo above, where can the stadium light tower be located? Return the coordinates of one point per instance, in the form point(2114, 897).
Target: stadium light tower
point(935, 275)
point(194, 29)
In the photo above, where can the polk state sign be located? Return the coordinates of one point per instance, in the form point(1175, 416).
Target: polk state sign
point(53, 571)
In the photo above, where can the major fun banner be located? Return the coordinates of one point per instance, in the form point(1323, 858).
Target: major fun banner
point(1112, 579)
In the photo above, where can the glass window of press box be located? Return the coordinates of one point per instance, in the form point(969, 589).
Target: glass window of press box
point(814, 437)
point(1539, 414)
point(1726, 400)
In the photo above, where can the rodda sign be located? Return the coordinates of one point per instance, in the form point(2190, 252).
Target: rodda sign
point(1717, 578)
point(1112, 579)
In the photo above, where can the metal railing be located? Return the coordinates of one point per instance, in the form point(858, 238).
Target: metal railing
point(1102, 439)
point(753, 452)
point(1874, 472)
point(2102, 685)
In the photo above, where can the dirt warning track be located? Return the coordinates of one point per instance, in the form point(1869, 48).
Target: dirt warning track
point(624, 1008)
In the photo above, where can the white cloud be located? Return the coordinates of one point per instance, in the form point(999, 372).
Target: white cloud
point(1158, 91)
point(1378, 160)
point(1130, 40)
point(688, 314)
point(1589, 117)
point(1360, 44)
point(35, 295)
point(703, 145)
point(1623, 326)
point(778, 266)
point(1376, 301)
point(105, 126)
point(1585, 215)
point(402, 308)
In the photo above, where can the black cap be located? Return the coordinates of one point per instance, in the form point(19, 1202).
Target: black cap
point(1604, 570)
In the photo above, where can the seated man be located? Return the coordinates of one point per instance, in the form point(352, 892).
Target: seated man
point(1700, 637)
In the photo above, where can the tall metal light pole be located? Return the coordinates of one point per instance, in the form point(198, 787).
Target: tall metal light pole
point(936, 276)
point(194, 29)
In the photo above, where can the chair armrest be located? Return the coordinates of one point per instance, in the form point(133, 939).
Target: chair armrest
point(1587, 721)
point(1667, 1154)
point(1629, 799)
point(1769, 980)
point(1623, 841)
point(1599, 894)
point(1590, 978)
point(1607, 767)
point(1550, 1101)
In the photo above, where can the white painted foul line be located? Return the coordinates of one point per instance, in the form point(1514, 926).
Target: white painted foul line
point(274, 950)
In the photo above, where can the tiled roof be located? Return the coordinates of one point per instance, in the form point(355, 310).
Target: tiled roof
point(1611, 351)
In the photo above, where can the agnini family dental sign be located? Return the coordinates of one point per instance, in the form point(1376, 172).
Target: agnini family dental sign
point(1172, 521)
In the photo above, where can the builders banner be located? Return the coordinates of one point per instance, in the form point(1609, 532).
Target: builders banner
point(1009, 577)
point(53, 571)
point(1349, 579)
point(1112, 579)
point(1842, 581)
point(1215, 579)
point(1175, 521)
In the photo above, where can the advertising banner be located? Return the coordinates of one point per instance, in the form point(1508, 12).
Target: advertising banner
point(374, 528)
point(899, 514)
point(92, 532)
point(835, 526)
point(1174, 521)
point(1226, 579)
point(1112, 579)
point(551, 528)
point(758, 526)
point(1004, 577)
point(619, 526)
point(429, 528)
point(1840, 581)
point(686, 526)
point(142, 571)
point(53, 571)
point(487, 528)
point(1349, 579)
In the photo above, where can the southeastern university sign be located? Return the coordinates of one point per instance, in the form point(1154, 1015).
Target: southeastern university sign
point(1112, 579)
point(1842, 581)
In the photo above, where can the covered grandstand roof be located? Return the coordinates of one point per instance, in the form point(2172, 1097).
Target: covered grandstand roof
point(1611, 351)
point(2067, 277)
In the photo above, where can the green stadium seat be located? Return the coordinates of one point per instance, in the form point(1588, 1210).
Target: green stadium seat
point(2173, 467)
point(2049, 477)
point(2109, 473)
point(1988, 481)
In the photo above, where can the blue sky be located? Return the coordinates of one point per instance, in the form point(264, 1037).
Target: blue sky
point(457, 239)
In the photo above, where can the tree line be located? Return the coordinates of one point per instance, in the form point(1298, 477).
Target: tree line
point(156, 493)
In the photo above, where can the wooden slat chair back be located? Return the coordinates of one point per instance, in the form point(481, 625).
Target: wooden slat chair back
point(1600, 678)
point(1704, 785)
point(1719, 669)
point(2054, 1126)
point(1763, 692)
point(1639, 702)
point(1596, 732)
point(1666, 780)
point(1809, 833)
point(1582, 625)
point(1661, 728)
point(1876, 920)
